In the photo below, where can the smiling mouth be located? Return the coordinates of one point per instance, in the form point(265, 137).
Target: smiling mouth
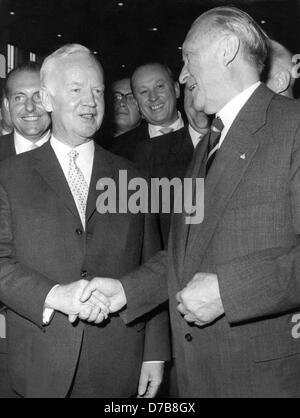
point(88, 116)
point(156, 108)
point(30, 118)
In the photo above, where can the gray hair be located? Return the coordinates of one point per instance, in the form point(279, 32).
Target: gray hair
point(233, 20)
point(61, 53)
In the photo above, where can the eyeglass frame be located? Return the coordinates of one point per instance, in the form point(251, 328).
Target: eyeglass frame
point(123, 96)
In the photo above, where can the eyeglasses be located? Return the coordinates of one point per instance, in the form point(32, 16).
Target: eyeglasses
point(129, 98)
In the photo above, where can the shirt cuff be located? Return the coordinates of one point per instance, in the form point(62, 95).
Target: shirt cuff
point(48, 312)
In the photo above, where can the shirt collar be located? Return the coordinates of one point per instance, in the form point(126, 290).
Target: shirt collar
point(231, 109)
point(86, 150)
point(23, 145)
point(195, 136)
point(154, 130)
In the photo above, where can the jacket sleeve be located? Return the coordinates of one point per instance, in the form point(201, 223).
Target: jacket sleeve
point(22, 289)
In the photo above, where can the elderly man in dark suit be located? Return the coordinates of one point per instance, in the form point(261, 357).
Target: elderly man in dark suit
point(30, 130)
point(53, 240)
point(234, 279)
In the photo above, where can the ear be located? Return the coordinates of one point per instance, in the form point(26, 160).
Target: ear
point(177, 89)
point(46, 99)
point(281, 81)
point(6, 103)
point(229, 48)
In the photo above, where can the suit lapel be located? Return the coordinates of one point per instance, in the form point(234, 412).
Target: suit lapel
point(50, 170)
point(103, 167)
point(180, 230)
point(230, 165)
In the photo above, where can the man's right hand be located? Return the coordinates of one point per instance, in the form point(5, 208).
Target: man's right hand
point(112, 289)
point(66, 299)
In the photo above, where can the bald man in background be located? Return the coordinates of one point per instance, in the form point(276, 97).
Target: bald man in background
point(281, 70)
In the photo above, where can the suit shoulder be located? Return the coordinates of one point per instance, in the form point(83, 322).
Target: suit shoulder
point(120, 163)
point(16, 164)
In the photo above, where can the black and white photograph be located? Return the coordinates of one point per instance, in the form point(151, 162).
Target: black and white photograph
point(149, 202)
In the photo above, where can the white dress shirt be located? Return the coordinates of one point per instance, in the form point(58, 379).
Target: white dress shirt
point(195, 136)
point(232, 109)
point(154, 130)
point(24, 145)
point(84, 160)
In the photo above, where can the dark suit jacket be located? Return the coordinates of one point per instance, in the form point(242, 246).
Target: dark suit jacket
point(7, 149)
point(250, 239)
point(7, 146)
point(42, 243)
point(167, 156)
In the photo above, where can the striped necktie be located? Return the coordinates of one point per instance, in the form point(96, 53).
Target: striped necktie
point(214, 138)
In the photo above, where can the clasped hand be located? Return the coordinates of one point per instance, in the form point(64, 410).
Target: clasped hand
point(200, 302)
point(89, 301)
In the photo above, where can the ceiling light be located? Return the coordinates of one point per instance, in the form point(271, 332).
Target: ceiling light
point(154, 29)
point(59, 35)
point(12, 13)
point(180, 48)
point(120, 4)
point(263, 22)
point(95, 52)
point(123, 66)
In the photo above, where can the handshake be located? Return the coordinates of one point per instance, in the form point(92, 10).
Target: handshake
point(89, 301)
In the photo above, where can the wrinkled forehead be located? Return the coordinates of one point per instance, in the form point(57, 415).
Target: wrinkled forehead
point(76, 67)
point(198, 37)
point(23, 80)
point(150, 74)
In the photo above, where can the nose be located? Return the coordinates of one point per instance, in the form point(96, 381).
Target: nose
point(29, 105)
point(153, 96)
point(184, 75)
point(89, 98)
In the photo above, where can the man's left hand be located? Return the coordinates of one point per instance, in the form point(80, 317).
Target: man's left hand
point(200, 302)
point(150, 379)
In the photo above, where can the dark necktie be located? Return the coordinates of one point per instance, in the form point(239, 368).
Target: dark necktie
point(215, 135)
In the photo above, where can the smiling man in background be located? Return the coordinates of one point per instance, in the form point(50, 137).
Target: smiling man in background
point(30, 120)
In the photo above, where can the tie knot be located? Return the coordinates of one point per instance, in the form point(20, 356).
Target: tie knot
point(217, 125)
point(166, 131)
point(32, 146)
point(73, 154)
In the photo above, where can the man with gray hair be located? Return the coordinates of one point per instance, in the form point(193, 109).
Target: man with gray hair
point(234, 278)
point(53, 240)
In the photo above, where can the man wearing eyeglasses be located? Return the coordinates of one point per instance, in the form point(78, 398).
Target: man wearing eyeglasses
point(125, 111)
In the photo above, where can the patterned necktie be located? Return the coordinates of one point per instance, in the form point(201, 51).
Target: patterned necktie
point(165, 131)
point(214, 138)
point(77, 184)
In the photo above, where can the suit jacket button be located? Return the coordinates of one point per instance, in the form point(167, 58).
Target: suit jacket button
point(79, 232)
point(189, 338)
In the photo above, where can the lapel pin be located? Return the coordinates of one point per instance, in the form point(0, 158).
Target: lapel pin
point(243, 156)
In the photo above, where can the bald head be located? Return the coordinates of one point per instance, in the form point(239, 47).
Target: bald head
point(224, 51)
point(156, 93)
point(280, 76)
